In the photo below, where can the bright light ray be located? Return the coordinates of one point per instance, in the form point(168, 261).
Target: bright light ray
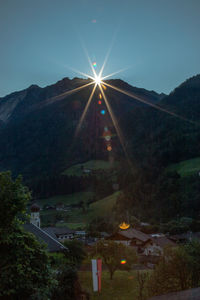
point(148, 103)
point(118, 130)
point(62, 96)
point(114, 73)
point(85, 110)
point(97, 80)
point(81, 73)
point(65, 94)
point(105, 60)
point(89, 60)
point(108, 53)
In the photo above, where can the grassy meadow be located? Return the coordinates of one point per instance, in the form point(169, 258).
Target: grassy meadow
point(92, 165)
point(122, 287)
point(187, 167)
point(77, 217)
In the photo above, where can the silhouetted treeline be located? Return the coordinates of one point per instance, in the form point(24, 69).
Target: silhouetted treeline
point(63, 184)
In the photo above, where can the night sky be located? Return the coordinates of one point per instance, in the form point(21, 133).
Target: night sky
point(158, 41)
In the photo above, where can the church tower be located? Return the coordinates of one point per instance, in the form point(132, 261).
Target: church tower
point(35, 215)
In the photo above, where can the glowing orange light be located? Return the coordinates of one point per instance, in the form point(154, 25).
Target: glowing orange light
point(99, 102)
point(104, 87)
point(123, 262)
point(100, 96)
point(124, 226)
point(109, 148)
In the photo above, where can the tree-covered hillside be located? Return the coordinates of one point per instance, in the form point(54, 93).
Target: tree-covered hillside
point(38, 140)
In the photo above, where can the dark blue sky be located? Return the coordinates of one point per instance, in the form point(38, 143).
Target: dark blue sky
point(157, 40)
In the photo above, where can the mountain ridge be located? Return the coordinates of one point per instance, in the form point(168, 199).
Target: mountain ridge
point(53, 90)
point(37, 137)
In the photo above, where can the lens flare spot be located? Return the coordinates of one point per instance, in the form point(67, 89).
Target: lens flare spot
point(100, 96)
point(99, 102)
point(107, 138)
point(109, 148)
point(94, 64)
point(105, 128)
point(103, 111)
point(104, 87)
point(123, 262)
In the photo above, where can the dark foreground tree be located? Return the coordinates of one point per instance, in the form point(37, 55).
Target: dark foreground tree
point(25, 270)
point(141, 278)
point(178, 270)
point(193, 251)
point(14, 197)
point(68, 285)
point(76, 253)
point(24, 264)
point(171, 274)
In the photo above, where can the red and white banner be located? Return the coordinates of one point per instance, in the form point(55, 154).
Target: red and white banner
point(96, 274)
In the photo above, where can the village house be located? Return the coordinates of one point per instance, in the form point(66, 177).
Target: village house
point(143, 243)
point(52, 244)
point(81, 234)
point(161, 242)
point(131, 237)
point(60, 233)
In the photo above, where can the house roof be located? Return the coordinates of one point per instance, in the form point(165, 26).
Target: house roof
point(56, 231)
point(163, 241)
point(53, 245)
point(117, 237)
point(132, 233)
point(192, 294)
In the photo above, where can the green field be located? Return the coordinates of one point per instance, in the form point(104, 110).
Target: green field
point(122, 287)
point(187, 167)
point(93, 165)
point(104, 206)
point(76, 217)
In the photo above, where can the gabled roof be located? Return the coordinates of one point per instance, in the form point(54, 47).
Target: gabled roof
point(56, 231)
point(53, 245)
point(117, 237)
point(192, 294)
point(132, 233)
point(163, 241)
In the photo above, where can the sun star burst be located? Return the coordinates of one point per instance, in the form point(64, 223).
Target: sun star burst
point(98, 81)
